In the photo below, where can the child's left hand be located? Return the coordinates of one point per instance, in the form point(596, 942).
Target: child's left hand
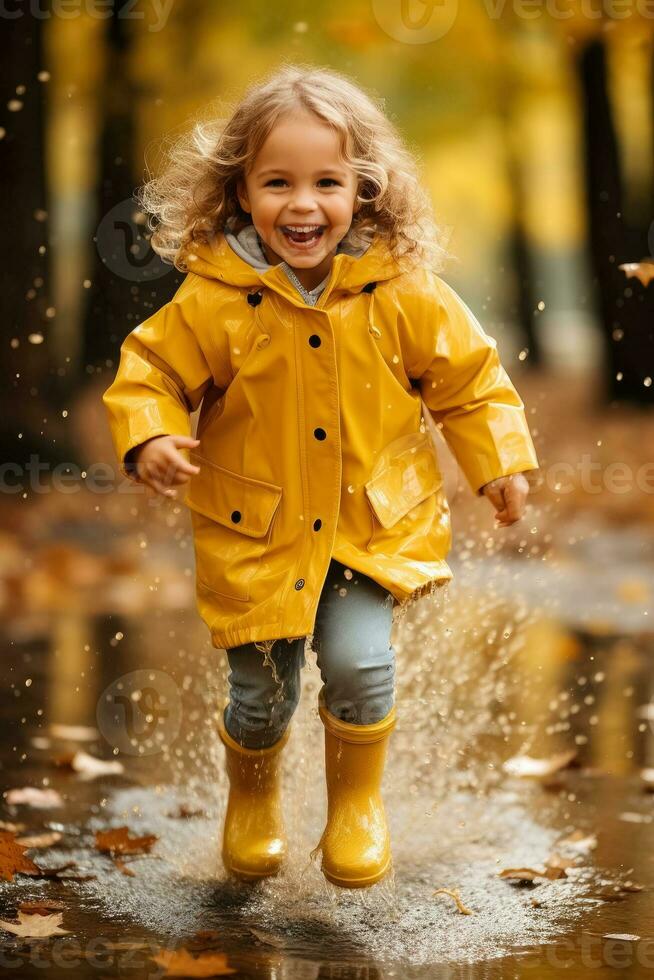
point(508, 495)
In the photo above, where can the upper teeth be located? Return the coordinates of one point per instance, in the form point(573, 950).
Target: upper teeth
point(302, 227)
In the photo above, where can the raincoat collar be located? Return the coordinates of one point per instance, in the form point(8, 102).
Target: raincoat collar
point(217, 260)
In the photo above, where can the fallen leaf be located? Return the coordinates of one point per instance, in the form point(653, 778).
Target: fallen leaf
point(556, 867)
point(180, 963)
point(526, 765)
point(643, 270)
point(89, 766)
point(12, 857)
point(40, 840)
point(52, 872)
point(41, 907)
point(42, 799)
point(118, 841)
point(14, 827)
point(74, 733)
point(123, 868)
point(457, 898)
point(36, 926)
point(520, 874)
point(184, 811)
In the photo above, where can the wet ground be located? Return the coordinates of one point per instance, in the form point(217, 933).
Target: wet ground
point(517, 659)
point(542, 647)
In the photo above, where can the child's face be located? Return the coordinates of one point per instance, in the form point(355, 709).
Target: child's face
point(298, 179)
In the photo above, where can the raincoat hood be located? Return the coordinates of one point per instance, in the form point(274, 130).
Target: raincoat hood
point(352, 269)
point(314, 427)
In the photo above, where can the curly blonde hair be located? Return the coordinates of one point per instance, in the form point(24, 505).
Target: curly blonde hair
point(195, 195)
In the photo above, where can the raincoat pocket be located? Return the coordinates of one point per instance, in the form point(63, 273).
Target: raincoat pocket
point(403, 493)
point(232, 518)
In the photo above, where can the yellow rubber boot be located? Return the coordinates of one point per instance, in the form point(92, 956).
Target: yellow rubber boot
point(356, 847)
point(254, 843)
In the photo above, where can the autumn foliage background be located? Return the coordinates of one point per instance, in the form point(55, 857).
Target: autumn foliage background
point(534, 131)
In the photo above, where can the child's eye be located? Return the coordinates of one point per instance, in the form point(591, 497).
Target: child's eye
point(280, 180)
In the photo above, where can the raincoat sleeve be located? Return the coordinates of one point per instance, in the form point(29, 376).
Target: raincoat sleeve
point(468, 392)
point(162, 376)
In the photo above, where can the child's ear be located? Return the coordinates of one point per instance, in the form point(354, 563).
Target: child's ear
point(242, 194)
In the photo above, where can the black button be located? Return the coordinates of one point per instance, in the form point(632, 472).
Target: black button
point(315, 340)
point(299, 584)
point(320, 434)
point(254, 299)
point(317, 525)
point(236, 516)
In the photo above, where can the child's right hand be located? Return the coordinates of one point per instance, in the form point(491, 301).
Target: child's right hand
point(160, 465)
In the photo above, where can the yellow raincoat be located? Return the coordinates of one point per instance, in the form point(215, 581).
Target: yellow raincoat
point(313, 442)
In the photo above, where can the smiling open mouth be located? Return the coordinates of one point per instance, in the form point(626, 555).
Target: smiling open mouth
point(302, 236)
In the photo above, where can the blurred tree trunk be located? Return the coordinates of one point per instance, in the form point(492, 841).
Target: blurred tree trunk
point(23, 282)
point(110, 296)
point(626, 307)
point(128, 281)
point(523, 308)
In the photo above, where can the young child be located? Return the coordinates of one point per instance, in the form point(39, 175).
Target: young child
point(312, 328)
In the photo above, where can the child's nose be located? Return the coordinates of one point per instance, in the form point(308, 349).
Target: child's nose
point(303, 200)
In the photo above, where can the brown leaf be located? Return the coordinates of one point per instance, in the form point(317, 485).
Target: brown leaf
point(88, 765)
point(520, 874)
point(15, 827)
point(53, 872)
point(40, 840)
point(12, 857)
point(123, 868)
point(180, 963)
point(457, 898)
point(43, 799)
point(556, 866)
point(118, 841)
point(643, 270)
point(36, 926)
point(184, 811)
point(41, 907)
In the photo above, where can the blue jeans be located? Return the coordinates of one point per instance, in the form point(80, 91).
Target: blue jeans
point(354, 654)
